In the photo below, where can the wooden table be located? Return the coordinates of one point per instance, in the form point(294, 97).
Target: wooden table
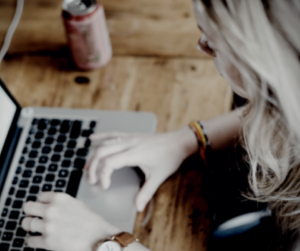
point(156, 67)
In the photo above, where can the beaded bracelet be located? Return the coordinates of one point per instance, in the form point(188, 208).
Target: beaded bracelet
point(202, 138)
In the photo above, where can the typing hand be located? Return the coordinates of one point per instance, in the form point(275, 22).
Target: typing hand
point(158, 156)
point(66, 224)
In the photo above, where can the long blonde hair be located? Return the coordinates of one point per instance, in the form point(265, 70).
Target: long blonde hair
point(262, 40)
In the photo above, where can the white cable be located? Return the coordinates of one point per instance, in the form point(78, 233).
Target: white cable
point(12, 28)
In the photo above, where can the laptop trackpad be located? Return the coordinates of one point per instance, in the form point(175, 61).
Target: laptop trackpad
point(117, 202)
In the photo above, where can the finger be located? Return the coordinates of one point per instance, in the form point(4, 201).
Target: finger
point(36, 242)
point(106, 136)
point(146, 192)
point(34, 209)
point(115, 162)
point(47, 197)
point(31, 224)
point(88, 164)
point(101, 153)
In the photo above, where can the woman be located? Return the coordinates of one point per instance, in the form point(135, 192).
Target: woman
point(255, 46)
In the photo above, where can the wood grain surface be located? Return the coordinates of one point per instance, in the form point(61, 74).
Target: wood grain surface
point(137, 27)
point(155, 68)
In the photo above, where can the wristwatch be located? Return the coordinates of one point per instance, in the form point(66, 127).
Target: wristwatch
point(118, 242)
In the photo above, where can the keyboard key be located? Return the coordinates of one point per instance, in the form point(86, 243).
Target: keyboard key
point(31, 131)
point(58, 148)
point(87, 133)
point(22, 160)
point(18, 170)
point(11, 225)
point(31, 198)
point(21, 219)
point(46, 149)
point(76, 128)
point(69, 153)
point(28, 249)
point(11, 191)
point(71, 144)
point(27, 174)
point(49, 140)
point(7, 202)
point(61, 139)
point(50, 177)
point(25, 150)
point(55, 122)
point(4, 246)
point(40, 169)
point(65, 126)
point(39, 135)
point(52, 168)
point(4, 212)
point(55, 158)
point(34, 234)
point(30, 163)
point(34, 189)
point(15, 180)
point(47, 187)
point(21, 232)
point(21, 194)
point(28, 140)
point(93, 124)
point(7, 236)
point(42, 124)
point(63, 173)
point(17, 204)
point(60, 183)
point(37, 179)
point(23, 183)
point(66, 163)
point(79, 163)
point(87, 143)
point(34, 121)
point(18, 243)
point(74, 182)
point(52, 131)
point(82, 152)
point(43, 160)
point(33, 154)
point(36, 144)
point(58, 191)
point(14, 215)
point(2, 223)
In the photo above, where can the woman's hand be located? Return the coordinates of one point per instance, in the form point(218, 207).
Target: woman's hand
point(158, 155)
point(66, 224)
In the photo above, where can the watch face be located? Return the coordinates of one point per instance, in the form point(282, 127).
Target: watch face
point(110, 246)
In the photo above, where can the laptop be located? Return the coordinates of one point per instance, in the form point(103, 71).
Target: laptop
point(45, 149)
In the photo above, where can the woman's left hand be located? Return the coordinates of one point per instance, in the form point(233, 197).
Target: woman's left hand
point(66, 223)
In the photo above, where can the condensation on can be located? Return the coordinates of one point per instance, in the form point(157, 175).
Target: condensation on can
point(88, 36)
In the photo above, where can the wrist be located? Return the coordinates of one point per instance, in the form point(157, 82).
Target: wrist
point(102, 231)
point(188, 141)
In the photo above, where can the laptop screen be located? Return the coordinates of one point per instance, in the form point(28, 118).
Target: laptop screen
point(7, 112)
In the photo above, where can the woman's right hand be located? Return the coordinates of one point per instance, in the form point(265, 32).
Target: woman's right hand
point(158, 156)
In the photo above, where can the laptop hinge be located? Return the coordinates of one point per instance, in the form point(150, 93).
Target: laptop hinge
point(9, 156)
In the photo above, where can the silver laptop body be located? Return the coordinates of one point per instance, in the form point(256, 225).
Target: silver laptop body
point(27, 167)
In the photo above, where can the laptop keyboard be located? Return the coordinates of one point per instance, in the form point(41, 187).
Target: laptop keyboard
point(51, 161)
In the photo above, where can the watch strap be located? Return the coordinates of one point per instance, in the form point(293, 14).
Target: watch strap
point(124, 239)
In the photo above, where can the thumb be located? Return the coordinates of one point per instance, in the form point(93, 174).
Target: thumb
point(147, 191)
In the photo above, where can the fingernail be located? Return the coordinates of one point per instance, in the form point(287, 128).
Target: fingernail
point(198, 47)
point(140, 208)
point(106, 184)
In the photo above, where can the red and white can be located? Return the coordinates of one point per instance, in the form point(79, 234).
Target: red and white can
point(87, 33)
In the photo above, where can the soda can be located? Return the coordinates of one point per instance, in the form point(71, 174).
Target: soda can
point(87, 33)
